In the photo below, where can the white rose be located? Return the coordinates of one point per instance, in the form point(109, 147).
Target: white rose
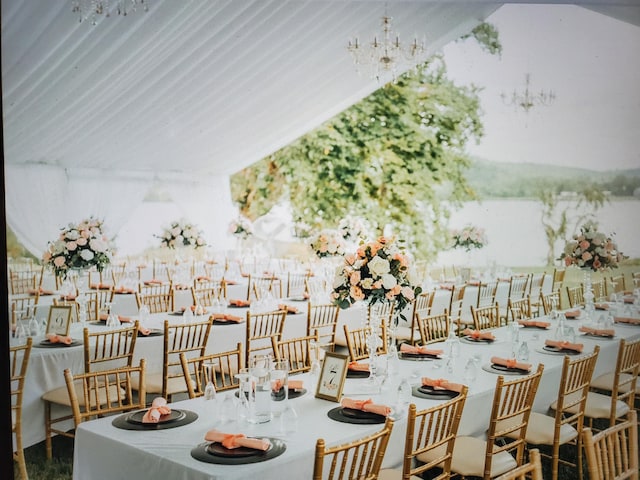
point(378, 266)
point(87, 254)
point(175, 231)
point(72, 235)
point(97, 245)
point(389, 281)
point(179, 239)
point(367, 283)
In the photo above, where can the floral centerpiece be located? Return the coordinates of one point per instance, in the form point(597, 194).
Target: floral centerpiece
point(182, 234)
point(241, 228)
point(353, 228)
point(327, 243)
point(379, 272)
point(79, 247)
point(468, 237)
point(591, 249)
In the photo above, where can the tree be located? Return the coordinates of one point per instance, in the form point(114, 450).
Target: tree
point(396, 158)
point(559, 212)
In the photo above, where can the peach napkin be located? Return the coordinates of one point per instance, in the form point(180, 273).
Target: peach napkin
point(203, 278)
point(158, 408)
point(576, 347)
point(288, 308)
point(39, 291)
point(123, 290)
point(534, 323)
point(122, 318)
point(366, 406)
point(478, 335)
point(276, 385)
point(420, 349)
point(230, 282)
point(358, 367)
point(511, 363)
point(67, 297)
point(180, 286)
point(226, 317)
point(143, 330)
point(236, 302)
point(598, 332)
point(446, 287)
point(441, 384)
point(100, 286)
point(601, 306)
point(53, 338)
point(572, 313)
point(628, 299)
point(629, 320)
point(231, 440)
point(153, 281)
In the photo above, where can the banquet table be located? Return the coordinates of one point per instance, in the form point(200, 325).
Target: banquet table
point(166, 453)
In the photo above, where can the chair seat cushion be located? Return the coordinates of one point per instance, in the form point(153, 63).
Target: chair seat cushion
point(541, 428)
point(605, 382)
point(598, 406)
point(468, 458)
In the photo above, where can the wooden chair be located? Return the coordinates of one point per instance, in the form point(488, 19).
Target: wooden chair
point(519, 309)
point(297, 350)
point(485, 318)
point(455, 307)
point(315, 287)
point(612, 454)
point(635, 277)
point(23, 307)
point(226, 366)
point(208, 294)
point(360, 459)
point(618, 284)
point(535, 289)
point(75, 307)
point(188, 338)
point(620, 386)
point(98, 301)
point(558, 278)
point(26, 281)
point(357, 342)
point(486, 294)
point(296, 284)
point(323, 320)
point(550, 301)
point(102, 350)
point(575, 294)
point(261, 327)
point(485, 457)
point(434, 328)
point(429, 440)
point(158, 298)
point(383, 311)
point(565, 427)
point(519, 286)
point(421, 307)
point(259, 284)
point(19, 358)
point(599, 288)
point(108, 392)
point(531, 470)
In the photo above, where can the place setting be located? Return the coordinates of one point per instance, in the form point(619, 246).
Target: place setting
point(360, 412)
point(507, 366)
point(237, 448)
point(436, 389)
point(419, 353)
point(226, 319)
point(157, 417)
point(56, 330)
point(477, 337)
point(560, 347)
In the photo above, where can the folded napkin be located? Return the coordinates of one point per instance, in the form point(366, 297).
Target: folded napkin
point(226, 317)
point(68, 297)
point(158, 408)
point(478, 335)
point(511, 363)
point(180, 286)
point(53, 338)
point(236, 302)
point(288, 308)
point(230, 282)
point(100, 286)
point(365, 406)
point(629, 320)
point(122, 318)
point(143, 330)
point(203, 278)
point(153, 281)
point(534, 323)
point(231, 440)
point(598, 332)
point(473, 283)
point(122, 289)
point(441, 384)
point(445, 286)
point(572, 313)
point(276, 385)
point(39, 291)
point(601, 306)
point(358, 367)
point(420, 349)
point(628, 299)
point(576, 347)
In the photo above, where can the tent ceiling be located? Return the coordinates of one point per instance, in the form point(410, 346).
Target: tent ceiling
point(202, 86)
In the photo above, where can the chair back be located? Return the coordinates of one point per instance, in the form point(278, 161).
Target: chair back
point(612, 454)
point(75, 307)
point(383, 311)
point(535, 286)
point(433, 328)
point(512, 403)
point(575, 294)
point(421, 307)
point(558, 278)
point(618, 284)
point(98, 301)
point(550, 301)
point(19, 358)
point(532, 470)
point(455, 303)
point(106, 392)
point(360, 459)
point(625, 377)
point(296, 285)
point(519, 286)
point(486, 294)
point(25, 281)
point(357, 342)
point(261, 327)
point(205, 294)
point(106, 349)
point(431, 435)
point(315, 286)
point(599, 289)
point(258, 285)
point(297, 350)
point(487, 317)
point(323, 320)
point(188, 338)
point(226, 365)
point(158, 298)
point(23, 307)
point(519, 309)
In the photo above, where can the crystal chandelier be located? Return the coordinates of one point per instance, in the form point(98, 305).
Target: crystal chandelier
point(92, 9)
point(527, 99)
point(385, 55)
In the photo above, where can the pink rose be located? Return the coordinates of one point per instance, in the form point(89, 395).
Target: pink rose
point(354, 278)
point(71, 246)
point(59, 261)
point(586, 256)
point(81, 241)
point(401, 258)
point(567, 261)
point(596, 263)
point(584, 244)
point(408, 293)
point(350, 259)
point(356, 293)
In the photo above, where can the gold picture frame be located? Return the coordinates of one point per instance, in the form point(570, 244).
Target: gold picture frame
point(332, 376)
point(59, 320)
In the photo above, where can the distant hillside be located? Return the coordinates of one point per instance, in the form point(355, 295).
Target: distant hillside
point(495, 179)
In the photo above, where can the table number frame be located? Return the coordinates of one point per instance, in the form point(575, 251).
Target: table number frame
point(59, 320)
point(332, 376)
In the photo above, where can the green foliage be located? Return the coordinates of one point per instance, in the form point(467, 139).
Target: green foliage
point(487, 37)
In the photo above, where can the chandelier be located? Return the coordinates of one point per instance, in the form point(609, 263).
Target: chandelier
point(527, 99)
point(385, 55)
point(92, 9)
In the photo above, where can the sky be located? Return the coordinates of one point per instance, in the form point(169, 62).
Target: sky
point(592, 64)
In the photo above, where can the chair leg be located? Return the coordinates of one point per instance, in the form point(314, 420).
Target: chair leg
point(47, 423)
point(18, 456)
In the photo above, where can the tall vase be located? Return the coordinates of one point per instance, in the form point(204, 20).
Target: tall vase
point(589, 306)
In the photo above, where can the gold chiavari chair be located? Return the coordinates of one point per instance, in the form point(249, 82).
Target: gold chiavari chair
point(357, 342)
point(519, 286)
point(519, 309)
point(429, 440)
point(550, 301)
point(25, 281)
point(158, 298)
point(297, 285)
point(535, 289)
point(486, 294)
point(360, 459)
point(635, 277)
point(421, 307)
point(618, 284)
point(558, 278)
point(23, 307)
point(599, 289)
point(19, 358)
point(612, 454)
point(261, 328)
point(485, 318)
point(258, 285)
point(296, 350)
point(434, 328)
point(455, 308)
point(209, 294)
point(575, 294)
point(323, 320)
point(225, 365)
point(532, 470)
